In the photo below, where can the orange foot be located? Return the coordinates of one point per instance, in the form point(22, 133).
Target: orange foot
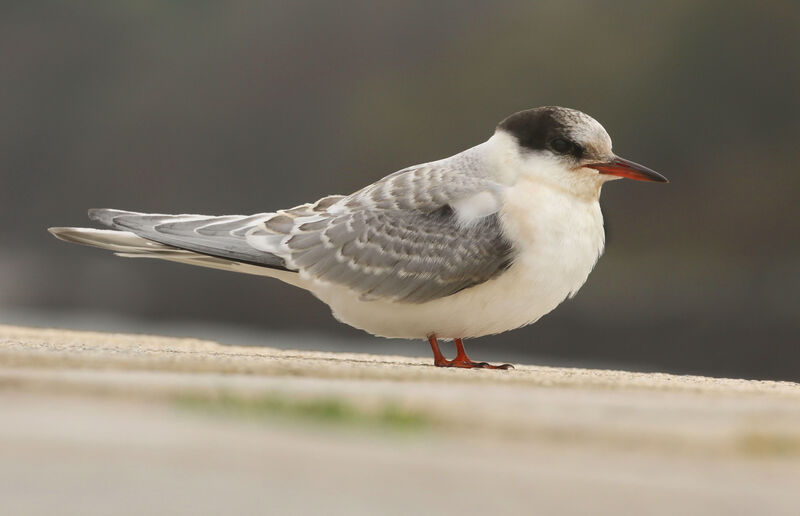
point(461, 360)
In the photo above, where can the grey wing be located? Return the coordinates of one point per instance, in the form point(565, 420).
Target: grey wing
point(398, 239)
point(222, 237)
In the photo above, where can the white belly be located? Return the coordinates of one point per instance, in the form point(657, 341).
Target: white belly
point(557, 247)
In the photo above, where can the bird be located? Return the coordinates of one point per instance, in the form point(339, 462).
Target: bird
point(482, 242)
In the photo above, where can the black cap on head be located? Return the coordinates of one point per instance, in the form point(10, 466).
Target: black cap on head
point(540, 128)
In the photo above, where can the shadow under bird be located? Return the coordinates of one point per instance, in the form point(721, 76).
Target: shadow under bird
point(482, 242)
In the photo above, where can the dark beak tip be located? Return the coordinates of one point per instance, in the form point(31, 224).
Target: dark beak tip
point(658, 178)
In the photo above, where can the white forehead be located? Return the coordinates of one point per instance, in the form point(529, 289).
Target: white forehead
point(587, 131)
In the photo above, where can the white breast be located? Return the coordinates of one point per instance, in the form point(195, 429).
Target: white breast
point(558, 238)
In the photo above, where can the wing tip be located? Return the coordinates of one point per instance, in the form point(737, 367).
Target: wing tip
point(58, 232)
point(106, 216)
point(68, 234)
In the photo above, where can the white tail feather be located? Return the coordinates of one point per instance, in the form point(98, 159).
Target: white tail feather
point(130, 245)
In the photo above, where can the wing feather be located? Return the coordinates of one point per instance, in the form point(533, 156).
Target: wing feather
point(399, 238)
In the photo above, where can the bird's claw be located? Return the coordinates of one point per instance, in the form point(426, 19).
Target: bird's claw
point(469, 364)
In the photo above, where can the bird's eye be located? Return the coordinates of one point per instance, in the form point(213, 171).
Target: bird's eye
point(561, 146)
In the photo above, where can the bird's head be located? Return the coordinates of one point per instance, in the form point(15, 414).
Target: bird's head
point(569, 147)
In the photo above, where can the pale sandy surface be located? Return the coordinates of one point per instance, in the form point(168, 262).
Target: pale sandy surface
point(128, 424)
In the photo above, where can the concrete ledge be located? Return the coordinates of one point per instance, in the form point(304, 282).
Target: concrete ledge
point(61, 348)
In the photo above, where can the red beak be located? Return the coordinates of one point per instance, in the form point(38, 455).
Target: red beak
point(623, 168)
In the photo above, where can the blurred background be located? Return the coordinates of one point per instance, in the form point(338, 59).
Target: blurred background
point(244, 107)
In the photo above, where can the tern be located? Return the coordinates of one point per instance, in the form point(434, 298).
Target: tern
point(485, 241)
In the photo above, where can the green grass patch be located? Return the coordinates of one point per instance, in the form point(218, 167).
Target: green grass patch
point(320, 410)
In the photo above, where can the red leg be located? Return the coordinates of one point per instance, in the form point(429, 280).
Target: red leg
point(461, 360)
point(461, 354)
point(438, 358)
